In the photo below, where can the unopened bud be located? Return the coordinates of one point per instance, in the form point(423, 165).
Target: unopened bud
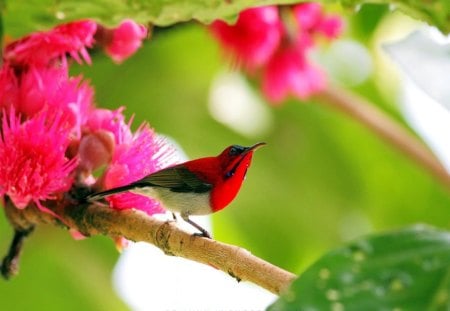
point(96, 149)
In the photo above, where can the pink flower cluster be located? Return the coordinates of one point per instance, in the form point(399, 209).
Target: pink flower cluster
point(52, 137)
point(276, 41)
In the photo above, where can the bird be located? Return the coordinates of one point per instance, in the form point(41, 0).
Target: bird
point(196, 187)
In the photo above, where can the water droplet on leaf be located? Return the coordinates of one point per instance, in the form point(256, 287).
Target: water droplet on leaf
point(324, 273)
point(332, 294)
point(360, 250)
point(337, 306)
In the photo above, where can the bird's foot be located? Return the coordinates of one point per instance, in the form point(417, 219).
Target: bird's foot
point(203, 232)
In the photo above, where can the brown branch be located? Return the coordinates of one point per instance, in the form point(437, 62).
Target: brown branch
point(137, 226)
point(10, 263)
point(385, 127)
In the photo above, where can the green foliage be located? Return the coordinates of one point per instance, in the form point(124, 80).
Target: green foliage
point(43, 14)
point(402, 270)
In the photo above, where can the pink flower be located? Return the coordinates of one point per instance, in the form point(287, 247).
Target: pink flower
point(289, 72)
point(144, 154)
point(9, 90)
point(125, 41)
point(311, 19)
point(104, 129)
point(254, 37)
point(41, 48)
point(51, 88)
point(308, 15)
point(112, 121)
point(278, 46)
point(34, 166)
point(331, 26)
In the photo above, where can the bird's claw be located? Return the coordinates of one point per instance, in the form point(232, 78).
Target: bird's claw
point(203, 234)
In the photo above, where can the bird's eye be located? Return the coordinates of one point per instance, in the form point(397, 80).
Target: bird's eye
point(229, 174)
point(235, 150)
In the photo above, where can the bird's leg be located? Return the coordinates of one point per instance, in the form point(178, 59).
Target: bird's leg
point(203, 233)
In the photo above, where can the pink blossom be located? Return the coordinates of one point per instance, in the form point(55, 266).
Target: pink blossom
point(125, 41)
point(104, 129)
point(311, 19)
point(254, 37)
point(331, 26)
point(308, 15)
point(9, 90)
point(145, 153)
point(52, 88)
point(41, 48)
point(289, 72)
point(112, 121)
point(34, 166)
point(279, 47)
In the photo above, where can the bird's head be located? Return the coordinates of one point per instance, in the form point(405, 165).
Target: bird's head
point(234, 162)
point(236, 159)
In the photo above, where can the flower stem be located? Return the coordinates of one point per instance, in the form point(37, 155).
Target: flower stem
point(386, 128)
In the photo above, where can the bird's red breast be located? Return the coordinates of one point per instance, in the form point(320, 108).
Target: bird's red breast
point(228, 186)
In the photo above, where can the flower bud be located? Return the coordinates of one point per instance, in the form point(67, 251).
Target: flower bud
point(96, 149)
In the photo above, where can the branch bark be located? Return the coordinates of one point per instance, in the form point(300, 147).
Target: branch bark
point(137, 226)
point(386, 128)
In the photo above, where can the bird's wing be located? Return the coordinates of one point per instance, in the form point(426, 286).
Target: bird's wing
point(178, 179)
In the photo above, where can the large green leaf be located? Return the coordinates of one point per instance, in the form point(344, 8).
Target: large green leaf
point(22, 16)
point(42, 14)
point(403, 270)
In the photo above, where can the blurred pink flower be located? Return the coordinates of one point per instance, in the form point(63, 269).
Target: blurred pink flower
point(133, 159)
point(34, 166)
point(254, 37)
point(279, 46)
point(41, 48)
point(125, 40)
point(289, 72)
point(312, 19)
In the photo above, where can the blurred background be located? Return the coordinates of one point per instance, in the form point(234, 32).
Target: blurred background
point(321, 180)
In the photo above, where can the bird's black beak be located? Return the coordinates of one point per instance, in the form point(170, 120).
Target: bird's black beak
point(253, 148)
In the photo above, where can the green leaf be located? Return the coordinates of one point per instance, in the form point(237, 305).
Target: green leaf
point(403, 270)
point(433, 12)
point(43, 14)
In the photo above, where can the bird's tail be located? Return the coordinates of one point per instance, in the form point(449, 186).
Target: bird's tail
point(100, 195)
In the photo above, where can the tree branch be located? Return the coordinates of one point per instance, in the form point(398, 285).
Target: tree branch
point(137, 226)
point(10, 263)
point(386, 128)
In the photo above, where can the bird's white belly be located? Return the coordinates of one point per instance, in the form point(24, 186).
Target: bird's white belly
point(181, 202)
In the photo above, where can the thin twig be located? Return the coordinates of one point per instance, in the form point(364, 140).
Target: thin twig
point(385, 127)
point(10, 263)
point(137, 226)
